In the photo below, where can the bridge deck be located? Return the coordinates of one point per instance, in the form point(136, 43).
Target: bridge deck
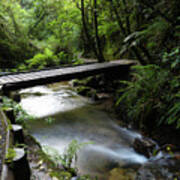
point(21, 80)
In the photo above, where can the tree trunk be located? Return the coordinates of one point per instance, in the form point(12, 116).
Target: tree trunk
point(120, 23)
point(98, 42)
point(128, 27)
point(126, 31)
point(85, 29)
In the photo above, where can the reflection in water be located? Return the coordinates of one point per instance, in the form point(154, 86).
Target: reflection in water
point(77, 118)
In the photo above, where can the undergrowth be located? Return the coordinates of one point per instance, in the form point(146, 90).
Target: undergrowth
point(151, 98)
point(66, 160)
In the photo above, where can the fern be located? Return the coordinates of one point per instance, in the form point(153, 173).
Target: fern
point(173, 114)
point(152, 93)
point(21, 116)
point(40, 61)
point(69, 155)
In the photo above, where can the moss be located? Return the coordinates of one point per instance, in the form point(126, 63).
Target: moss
point(78, 82)
point(83, 90)
point(88, 92)
point(122, 174)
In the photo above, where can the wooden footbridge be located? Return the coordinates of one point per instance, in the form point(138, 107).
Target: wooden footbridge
point(29, 79)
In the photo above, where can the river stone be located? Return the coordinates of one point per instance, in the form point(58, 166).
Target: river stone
point(75, 178)
point(122, 174)
point(144, 146)
point(103, 96)
point(83, 90)
point(145, 174)
point(160, 169)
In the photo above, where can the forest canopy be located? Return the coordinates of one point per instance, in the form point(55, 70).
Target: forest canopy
point(45, 33)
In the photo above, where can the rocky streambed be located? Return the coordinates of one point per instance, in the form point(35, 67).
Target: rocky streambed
point(112, 153)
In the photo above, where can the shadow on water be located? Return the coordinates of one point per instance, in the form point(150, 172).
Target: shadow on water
point(78, 118)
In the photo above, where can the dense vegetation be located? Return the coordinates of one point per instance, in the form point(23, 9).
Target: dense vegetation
point(35, 34)
point(39, 33)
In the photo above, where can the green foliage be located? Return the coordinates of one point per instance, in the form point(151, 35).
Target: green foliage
point(61, 175)
point(66, 160)
point(21, 116)
point(86, 177)
point(151, 98)
point(77, 61)
point(7, 104)
point(29, 28)
point(14, 42)
point(172, 59)
point(40, 61)
point(66, 58)
point(10, 155)
point(172, 116)
point(69, 155)
point(49, 59)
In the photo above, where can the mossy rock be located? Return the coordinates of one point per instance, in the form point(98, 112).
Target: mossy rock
point(92, 94)
point(78, 82)
point(83, 90)
point(92, 81)
point(88, 92)
point(122, 174)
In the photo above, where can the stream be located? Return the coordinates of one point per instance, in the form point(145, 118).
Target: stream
point(77, 118)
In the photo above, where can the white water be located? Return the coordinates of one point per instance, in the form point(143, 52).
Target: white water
point(49, 102)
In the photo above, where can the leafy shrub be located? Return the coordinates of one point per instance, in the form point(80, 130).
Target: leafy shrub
point(69, 58)
point(40, 61)
point(10, 155)
point(173, 113)
point(151, 98)
point(66, 160)
point(63, 57)
point(21, 116)
point(172, 59)
point(69, 155)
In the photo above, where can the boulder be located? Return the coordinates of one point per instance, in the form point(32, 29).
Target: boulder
point(160, 169)
point(83, 90)
point(88, 92)
point(121, 174)
point(144, 146)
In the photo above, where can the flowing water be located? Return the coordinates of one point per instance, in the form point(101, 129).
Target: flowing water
point(78, 118)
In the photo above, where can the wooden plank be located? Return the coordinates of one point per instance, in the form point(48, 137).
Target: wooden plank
point(54, 75)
